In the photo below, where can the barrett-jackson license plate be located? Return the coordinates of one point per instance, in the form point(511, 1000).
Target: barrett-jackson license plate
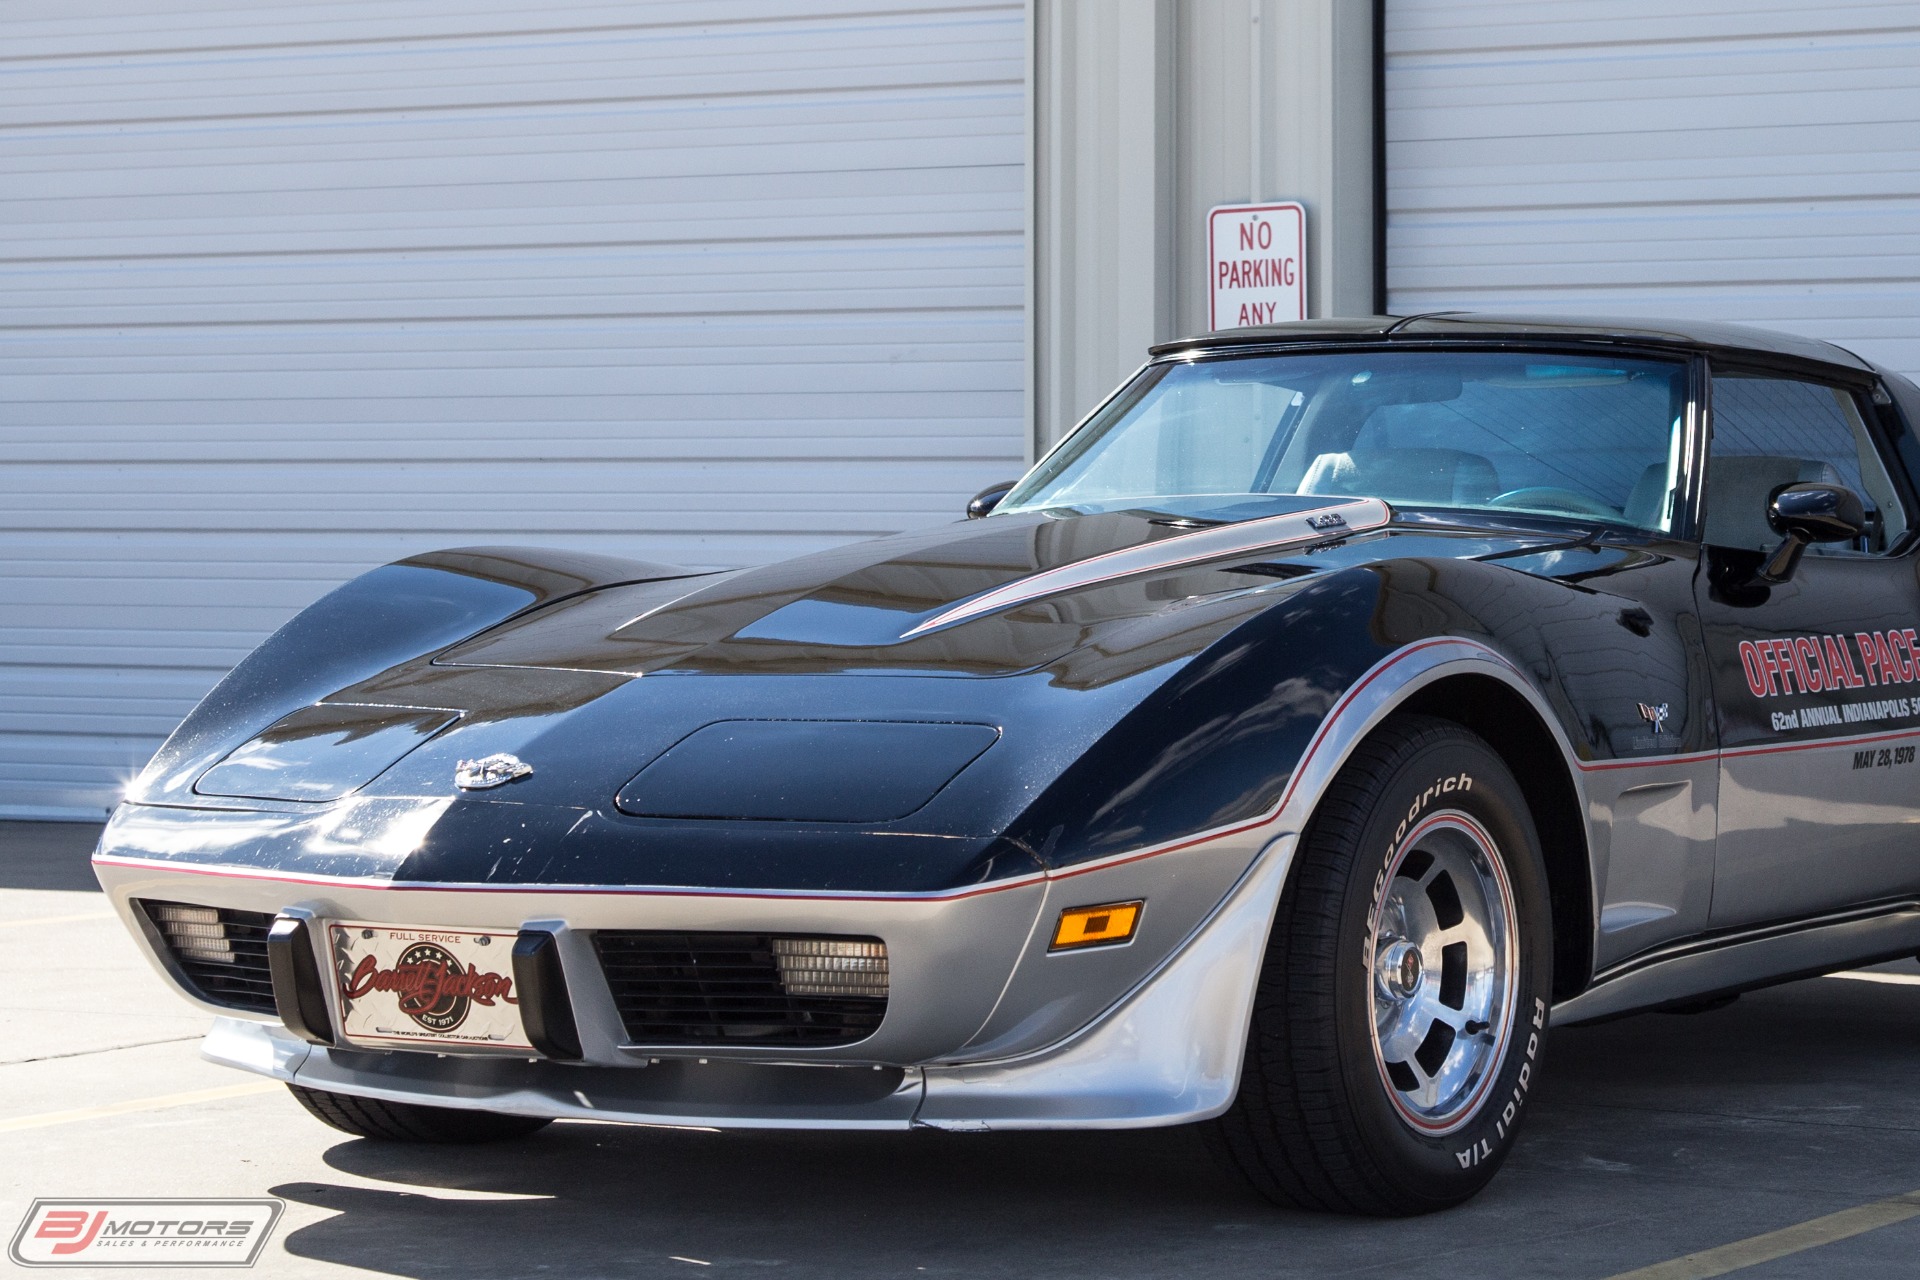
point(426, 986)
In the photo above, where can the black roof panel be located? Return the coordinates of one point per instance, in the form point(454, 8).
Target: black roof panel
point(1700, 334)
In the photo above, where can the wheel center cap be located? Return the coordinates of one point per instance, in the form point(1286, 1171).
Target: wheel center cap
point(1400, 969)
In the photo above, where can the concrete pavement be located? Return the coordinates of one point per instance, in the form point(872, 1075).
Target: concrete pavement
point(1651, 1138)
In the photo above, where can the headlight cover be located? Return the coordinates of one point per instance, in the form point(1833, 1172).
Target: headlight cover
point(805, 770)
point(322, 752)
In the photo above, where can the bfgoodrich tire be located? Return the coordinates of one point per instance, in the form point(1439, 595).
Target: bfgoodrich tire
point(1401, 1013)
point(411, 1122)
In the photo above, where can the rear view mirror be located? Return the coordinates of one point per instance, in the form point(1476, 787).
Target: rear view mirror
point(1803, 514)
point(1407, 388)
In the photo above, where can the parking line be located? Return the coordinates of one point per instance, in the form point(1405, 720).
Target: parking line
point(75, 919)
point(1755, 1250)
point(46, 1119)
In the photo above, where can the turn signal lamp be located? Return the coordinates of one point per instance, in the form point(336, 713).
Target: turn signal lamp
point(1106, 925)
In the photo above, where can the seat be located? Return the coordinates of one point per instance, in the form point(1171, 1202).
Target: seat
point(1647, 504)
point(1739, 487)
point(1443, 477)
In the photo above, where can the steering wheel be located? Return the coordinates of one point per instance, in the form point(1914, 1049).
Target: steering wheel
point(1554, 499)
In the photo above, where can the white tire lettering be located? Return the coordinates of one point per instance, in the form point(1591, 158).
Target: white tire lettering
point(1474, 1154)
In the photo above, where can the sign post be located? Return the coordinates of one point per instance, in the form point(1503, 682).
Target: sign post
point(1256, 264)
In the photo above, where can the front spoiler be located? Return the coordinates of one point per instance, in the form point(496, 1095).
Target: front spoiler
point(1167, 1053)
point(709, 1093)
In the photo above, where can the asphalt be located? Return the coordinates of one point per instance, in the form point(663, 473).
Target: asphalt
point(1650, 1138)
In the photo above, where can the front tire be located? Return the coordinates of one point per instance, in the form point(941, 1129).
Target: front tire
point(1401, 1012)
point(411, 1122)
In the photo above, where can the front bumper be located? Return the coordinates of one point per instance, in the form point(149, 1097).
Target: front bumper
point(983, 1024)
point(1168, 1052)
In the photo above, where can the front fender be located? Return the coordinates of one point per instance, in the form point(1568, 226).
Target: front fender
point(1224, 740)
point(1044, 1006)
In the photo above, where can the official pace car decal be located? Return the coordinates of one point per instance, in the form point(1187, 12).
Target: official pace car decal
point(1797, 665)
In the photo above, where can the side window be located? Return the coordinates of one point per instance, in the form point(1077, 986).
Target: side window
point(1609, 436)
point(1769, 432)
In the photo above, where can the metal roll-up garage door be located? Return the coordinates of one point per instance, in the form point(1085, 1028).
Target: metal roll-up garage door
point(1747, 160)
point(287, 292)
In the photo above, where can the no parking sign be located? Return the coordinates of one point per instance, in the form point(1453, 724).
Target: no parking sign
point(1256, 264)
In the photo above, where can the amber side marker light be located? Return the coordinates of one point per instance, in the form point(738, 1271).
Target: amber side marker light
point(1106, 925)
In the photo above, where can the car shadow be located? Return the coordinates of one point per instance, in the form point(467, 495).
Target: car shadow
point(589, 1200)
point(48, 855)
point(1794, 1101)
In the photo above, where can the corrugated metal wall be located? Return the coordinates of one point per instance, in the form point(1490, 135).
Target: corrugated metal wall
point(1747, 160)
point(290, 291)
point(1146, 116)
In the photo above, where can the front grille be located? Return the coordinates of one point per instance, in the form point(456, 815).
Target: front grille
point(724, 988)
point(223, 953)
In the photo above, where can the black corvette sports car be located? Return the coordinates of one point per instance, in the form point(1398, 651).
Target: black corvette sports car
point(1339, 706)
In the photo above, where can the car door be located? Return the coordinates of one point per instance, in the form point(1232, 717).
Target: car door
point(1817, 679)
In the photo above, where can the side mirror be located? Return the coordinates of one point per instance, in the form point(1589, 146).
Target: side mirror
point(983, 502)
point(1803, 514)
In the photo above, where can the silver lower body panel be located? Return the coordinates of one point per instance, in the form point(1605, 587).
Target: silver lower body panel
point(1755, 958)
point(1168, 1052)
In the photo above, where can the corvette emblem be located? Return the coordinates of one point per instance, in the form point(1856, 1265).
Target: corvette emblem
point(491, 771)
point(1656, 716)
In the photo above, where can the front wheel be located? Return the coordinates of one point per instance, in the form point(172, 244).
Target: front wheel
point(410, 1121)
point(1402, 1008)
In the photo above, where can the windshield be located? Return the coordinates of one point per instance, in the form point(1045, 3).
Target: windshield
point(1546, 433)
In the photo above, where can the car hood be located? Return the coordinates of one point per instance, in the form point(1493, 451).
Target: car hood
point(983, 598)
point(1000, 652)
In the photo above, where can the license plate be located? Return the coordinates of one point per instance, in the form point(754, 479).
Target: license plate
point(426, 986)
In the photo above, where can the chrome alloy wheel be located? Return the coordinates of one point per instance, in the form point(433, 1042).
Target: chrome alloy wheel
point(1443, 949)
